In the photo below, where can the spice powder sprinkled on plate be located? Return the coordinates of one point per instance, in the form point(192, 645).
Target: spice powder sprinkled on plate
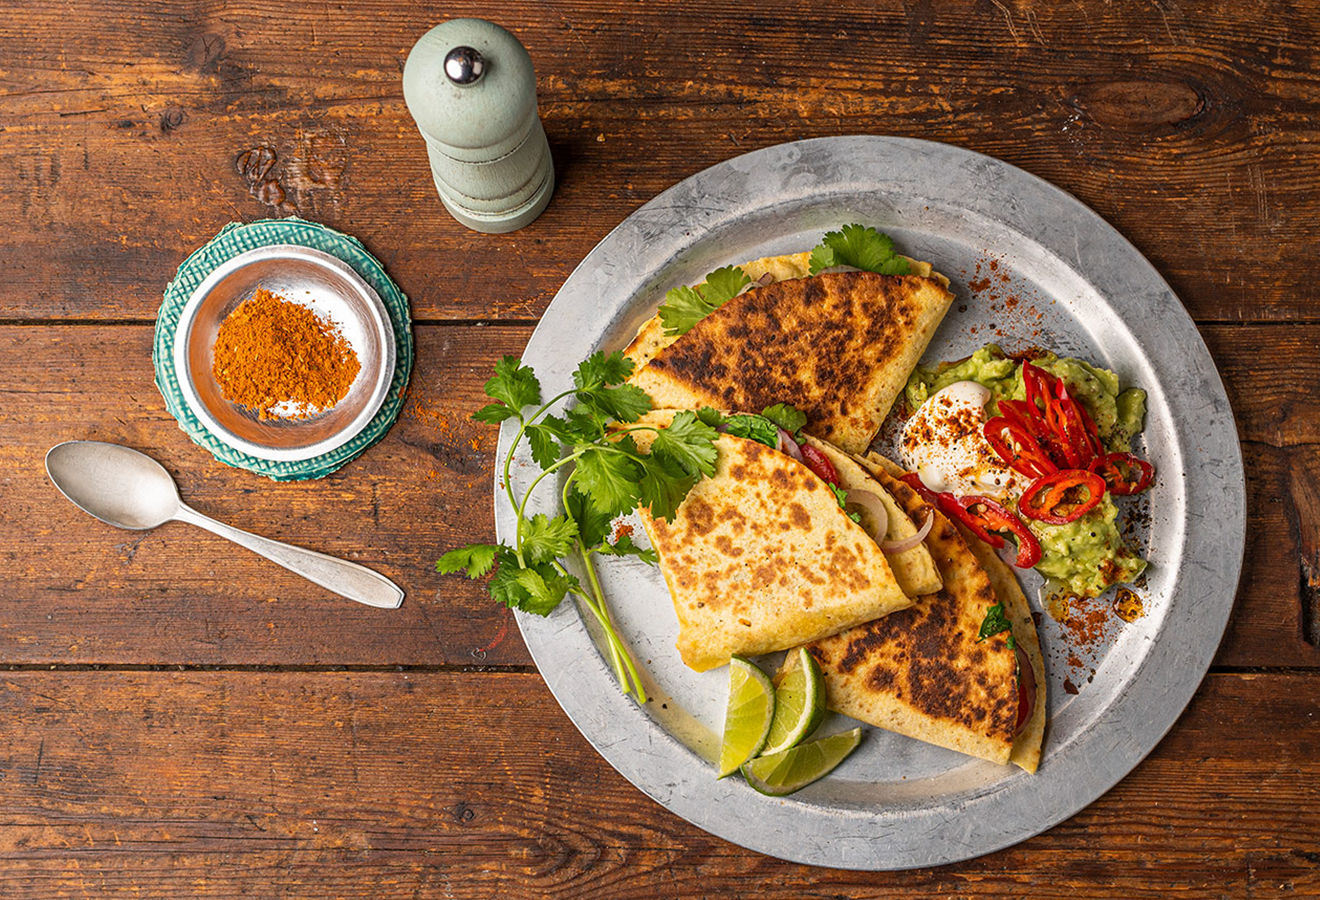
point(281, 359)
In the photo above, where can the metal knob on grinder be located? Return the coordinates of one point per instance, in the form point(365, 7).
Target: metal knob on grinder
point(471, 88)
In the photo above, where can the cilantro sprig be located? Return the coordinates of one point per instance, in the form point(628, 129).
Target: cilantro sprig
point(995, 622)
point(686, 306)
point(610, 476)
point(861, 247)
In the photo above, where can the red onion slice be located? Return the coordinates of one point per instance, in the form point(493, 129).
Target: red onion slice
point(789, 446)
point(908, 543)
point(875, 507)
point(765, 279)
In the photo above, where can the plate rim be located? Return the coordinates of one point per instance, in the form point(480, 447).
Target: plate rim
point(552, 641)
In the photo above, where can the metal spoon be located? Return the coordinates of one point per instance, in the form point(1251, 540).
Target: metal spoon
point(128, 489)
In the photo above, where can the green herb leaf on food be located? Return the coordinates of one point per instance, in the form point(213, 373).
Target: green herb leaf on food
point(861, 247)
point(995, 622)
point(786, 417)
point(623, 403)
point(610, 479)
point(599, 369)
point(689, 442)
point(754, 428)
point(686, 306)
point(839, 494)
point(710, 416)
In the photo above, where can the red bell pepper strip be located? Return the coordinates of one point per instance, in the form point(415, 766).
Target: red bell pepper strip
point(981, 514)
point(913, 480)
point(1027, 457)
point(1111, 469)
point(1055, 488)
point(819, 463)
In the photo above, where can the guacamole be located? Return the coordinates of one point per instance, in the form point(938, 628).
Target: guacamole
point(1086, 556)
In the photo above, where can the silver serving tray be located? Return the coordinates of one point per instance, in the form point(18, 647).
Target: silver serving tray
point(899, 803)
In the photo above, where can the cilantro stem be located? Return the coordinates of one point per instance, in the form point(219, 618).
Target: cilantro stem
point(523, 422)
point(617, 647)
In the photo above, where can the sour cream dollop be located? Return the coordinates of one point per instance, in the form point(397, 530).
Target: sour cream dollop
point(944, 443)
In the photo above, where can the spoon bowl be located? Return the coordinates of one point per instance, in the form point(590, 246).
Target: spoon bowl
point(128, 489)
point(116, 484)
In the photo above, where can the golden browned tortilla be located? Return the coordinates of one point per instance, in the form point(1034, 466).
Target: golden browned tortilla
point(921, 671)
point(760, 557)
point(839, 346)
point(913, 568)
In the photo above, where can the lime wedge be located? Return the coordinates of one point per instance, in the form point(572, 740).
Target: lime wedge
point(748, 715)
point(787, 771)
point(799, 705)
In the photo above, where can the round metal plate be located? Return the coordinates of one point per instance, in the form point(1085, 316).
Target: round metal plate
point(898, 803)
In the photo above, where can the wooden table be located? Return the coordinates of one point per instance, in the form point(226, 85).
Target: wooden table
point(179, 718)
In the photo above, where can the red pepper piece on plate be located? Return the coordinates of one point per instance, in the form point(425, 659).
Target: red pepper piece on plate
point(1049, 500)
point(1123, 473)
point(987, 516)
point(1021, 451)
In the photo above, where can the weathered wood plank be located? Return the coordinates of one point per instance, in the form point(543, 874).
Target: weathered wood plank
point(124, 130)
point(78, 591)
point(343, 785)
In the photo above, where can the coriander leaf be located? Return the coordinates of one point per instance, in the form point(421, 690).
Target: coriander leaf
point(856, 517)
point(859, 246)
point(477, 559)
point(710, 416)
point(626, 402)
point(544, 449)
point(786, 417)
point(755, 428)
point(578, 426)
point(839, 494)
point(514, 384)
point(544, 589)
point(494, 413)
point(544, 539)
point(663, 485)
point(504, 587)
point(624, 546)
point(592, 524)
point(685, 306)
point(599, 369)
point(995, 622)
point(609, 478)
point(689, 442)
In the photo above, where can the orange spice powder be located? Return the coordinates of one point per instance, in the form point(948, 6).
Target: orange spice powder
point(272, 352)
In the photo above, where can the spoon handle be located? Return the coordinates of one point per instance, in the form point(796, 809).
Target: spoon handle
point(345, 578)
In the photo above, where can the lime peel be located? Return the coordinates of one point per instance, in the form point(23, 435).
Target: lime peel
point(793, 769)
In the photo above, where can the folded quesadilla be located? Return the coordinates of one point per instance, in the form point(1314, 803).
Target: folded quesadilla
point(841, 344)
point(761, 557)
point(925, 672)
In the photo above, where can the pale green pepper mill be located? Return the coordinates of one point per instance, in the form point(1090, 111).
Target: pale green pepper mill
point(470, 87)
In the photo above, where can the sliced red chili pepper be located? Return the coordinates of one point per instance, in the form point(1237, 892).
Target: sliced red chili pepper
point(913, 480)
point(819, 463)
point(1054, 489)
point(1027, 457)
point(953, 507)
point(993, 517)
point(1110, 468)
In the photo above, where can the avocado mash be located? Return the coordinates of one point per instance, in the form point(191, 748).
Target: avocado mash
point(1087, 556)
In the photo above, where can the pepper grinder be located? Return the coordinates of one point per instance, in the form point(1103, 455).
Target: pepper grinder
point(471, 89)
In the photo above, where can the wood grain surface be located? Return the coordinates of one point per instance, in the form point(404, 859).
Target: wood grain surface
point(314, 748)
point(386, 786)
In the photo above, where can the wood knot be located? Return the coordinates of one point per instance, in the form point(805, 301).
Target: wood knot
point(1140, 105)
point(204, 53)
point(464, 813)
point(171, 119)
